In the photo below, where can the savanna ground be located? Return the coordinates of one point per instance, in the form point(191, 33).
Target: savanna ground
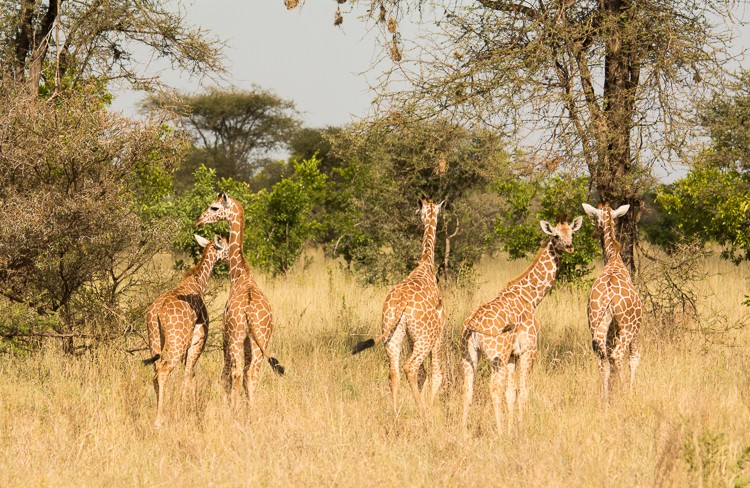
point(87, 421)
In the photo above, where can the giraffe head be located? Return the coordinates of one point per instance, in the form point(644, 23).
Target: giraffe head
point(217, 249)
point(562, 233)
point(223, 208)
point(604, 214)
point(429, 210)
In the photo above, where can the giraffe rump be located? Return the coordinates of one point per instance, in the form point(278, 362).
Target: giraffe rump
point(361, 346)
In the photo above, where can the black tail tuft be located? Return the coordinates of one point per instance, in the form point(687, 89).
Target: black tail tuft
point(362, 346)
point(151, 360)
point(276, 366)
point(597, 349)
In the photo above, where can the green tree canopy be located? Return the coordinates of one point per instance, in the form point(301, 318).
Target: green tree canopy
point(234, 129)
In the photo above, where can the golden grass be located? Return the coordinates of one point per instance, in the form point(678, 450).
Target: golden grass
point(87, 421)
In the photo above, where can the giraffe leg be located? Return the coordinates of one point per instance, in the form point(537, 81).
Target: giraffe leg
point(197, 343)
point(524, 368)
point(411, 368)
point(236, 367)
point(393, 352)
point(226, 373)
point(469, 358)
point(497, 389)
point(163, 367)
point(510, 390)
point(437, 369)
point(635, 358)
point(600, 333)
point(253, 362)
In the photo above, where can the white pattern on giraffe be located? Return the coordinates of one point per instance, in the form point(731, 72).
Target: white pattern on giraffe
point(505, 328)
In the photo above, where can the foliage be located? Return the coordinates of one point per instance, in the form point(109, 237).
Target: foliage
point(85, 205)
point(602, 86)
point(59, 44)
point(279, 221)
point(234, 129)
point(385, 169)
point(527, 201)
point(709, 204)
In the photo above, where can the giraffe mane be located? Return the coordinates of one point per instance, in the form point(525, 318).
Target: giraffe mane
point(529, 268)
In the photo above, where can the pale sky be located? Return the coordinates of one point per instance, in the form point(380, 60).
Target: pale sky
point(297, 54)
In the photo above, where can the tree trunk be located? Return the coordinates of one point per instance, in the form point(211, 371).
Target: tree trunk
point(614, 181)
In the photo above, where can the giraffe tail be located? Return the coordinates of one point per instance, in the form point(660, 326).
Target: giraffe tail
point(151, 360)
point(275, 364)
point(361, 346)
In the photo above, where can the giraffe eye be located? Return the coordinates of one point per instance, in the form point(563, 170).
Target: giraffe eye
point(214, 208)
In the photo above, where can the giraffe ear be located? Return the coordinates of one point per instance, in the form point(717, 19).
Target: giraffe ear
point(547, 227)
point(576, 224)
point(224, 199)
point(622, 210)
point(440, 205)
point(593, 212)
point(202, 241)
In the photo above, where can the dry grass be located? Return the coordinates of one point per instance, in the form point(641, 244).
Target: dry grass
point(88, 421)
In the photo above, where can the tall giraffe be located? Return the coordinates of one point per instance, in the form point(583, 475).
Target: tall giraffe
point(177, 322)
point(615, 311)
point(505, 328)
point(248, 320)
point(414, 307)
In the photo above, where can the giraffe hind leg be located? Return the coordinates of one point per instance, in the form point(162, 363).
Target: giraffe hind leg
point(510, 390)
point(412, 367)
point(437, 370)
point(497, 390)
point(393, 353)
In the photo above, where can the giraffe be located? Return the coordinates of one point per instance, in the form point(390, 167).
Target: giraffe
point(414, 308)
point(615, 312)
point(248, 319)
point(505, 329)
point(177, 322)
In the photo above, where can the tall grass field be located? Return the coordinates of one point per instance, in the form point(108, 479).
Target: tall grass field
point(88, 420)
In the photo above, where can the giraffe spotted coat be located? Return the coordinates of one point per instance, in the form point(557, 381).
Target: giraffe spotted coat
point(505, 328)
point(414, 308)
point(248, 319)
point(615, 311)
point(177, 322)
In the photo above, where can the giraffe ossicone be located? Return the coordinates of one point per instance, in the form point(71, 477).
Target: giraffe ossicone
point(505, 329)
point(177, 322)
point(615, 311)
point(248, 318)
point(414, 309)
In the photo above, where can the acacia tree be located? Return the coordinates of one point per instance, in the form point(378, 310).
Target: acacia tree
point(603, 86)
point(234, 129)
point(54, 42)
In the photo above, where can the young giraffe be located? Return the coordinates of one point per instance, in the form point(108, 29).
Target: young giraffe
point(178, 322)
point(615, 311)
point(248, 320)
point(414, 307)
point(505, 328)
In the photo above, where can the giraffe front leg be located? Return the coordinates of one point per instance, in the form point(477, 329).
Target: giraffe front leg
point(497, 390)
point(524, 368)
point(510, 391)
point(469, 365)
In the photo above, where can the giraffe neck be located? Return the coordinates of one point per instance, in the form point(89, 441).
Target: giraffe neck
point(201, 272)
point(536, 281)
point(428, 243)
point(237, 263)
point(611, 246)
